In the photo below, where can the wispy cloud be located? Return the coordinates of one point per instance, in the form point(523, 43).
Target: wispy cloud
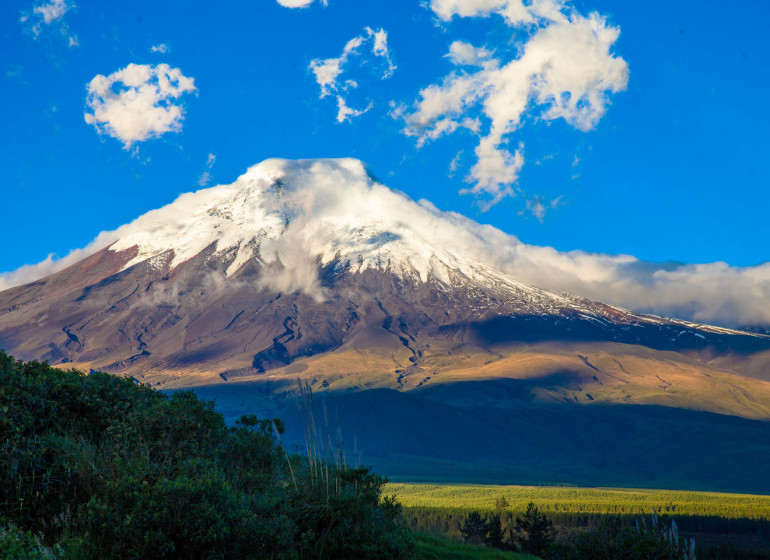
point(565, 69)
point(206, 177)
point(328, 72)
point(138, 102)
point(49, 14)
point(162, 48)
point(465, 54)
point(345, 113)
point(299, 3)
point(455, 163)
point(52, 11)
point(539, 207)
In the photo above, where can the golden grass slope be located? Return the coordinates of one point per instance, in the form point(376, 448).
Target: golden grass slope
point(580, 373)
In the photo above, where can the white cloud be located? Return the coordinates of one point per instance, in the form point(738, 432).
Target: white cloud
point(565, 69)
point(137, 102)
point(52, 11)
point(462, 53)
point(455, 163)
point(204, 179)
point(539, 207)
point(710, 293)
point(515, 12)
point(380, 48)
point(47, 14)
point(51, 264)
point(299, 3)
point(346, 113)
point(163, 48)
point(328, 71)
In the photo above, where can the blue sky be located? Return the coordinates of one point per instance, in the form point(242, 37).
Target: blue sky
point(675, 169)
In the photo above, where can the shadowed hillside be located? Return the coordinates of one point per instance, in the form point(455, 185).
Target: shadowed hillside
point(491, 431)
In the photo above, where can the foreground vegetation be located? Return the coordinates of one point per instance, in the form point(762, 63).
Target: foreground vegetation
point(98, 467)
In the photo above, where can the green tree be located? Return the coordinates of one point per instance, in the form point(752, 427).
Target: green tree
point(474, 528)
point(534, 530)
point(501, 504)
point(495, 534)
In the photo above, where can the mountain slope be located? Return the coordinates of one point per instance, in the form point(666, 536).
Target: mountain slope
point(313, 265)
point(313, 269)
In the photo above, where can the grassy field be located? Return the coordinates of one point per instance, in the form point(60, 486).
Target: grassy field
point(434, 548)
point(582, 500)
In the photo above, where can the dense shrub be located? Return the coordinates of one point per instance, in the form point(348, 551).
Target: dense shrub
point(16, 544)
point(112, 469)
point(657, 540)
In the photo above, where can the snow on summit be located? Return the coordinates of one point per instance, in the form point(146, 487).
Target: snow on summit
point(310, 210)
point(302, 213)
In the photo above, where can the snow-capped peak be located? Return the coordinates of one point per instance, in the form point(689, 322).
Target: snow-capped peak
point(311, 210)
point(302, 213)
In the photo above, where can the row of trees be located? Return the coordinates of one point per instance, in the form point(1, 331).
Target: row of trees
point(534, 533)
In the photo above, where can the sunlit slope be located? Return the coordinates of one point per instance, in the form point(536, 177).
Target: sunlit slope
point(585, 374)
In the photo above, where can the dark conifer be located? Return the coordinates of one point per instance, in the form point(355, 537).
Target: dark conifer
point(535, 530)
point(495, 534)
point(474, 529)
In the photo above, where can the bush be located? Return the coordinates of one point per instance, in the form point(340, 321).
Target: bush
point(613, 541)
point(112, 469)
point(16, 544)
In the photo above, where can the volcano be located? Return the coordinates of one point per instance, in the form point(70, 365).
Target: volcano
point(412, 322)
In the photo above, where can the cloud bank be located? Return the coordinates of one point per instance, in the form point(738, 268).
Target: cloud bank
point(138, 102)
point(565, 69)
point(328, 72)
point(329, 208)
